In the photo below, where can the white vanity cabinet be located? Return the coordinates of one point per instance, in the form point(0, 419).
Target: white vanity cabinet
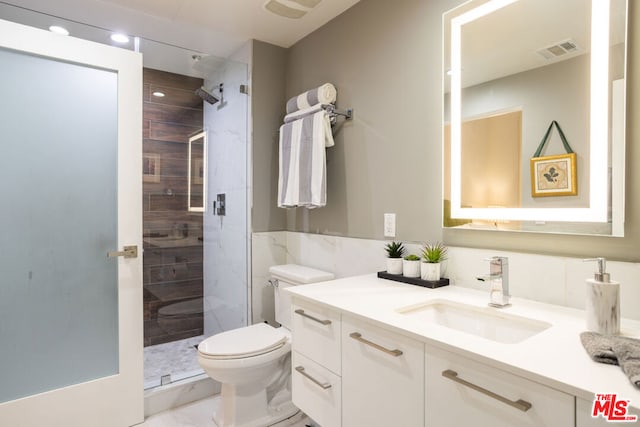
point(461, 391)
point(315, 361)
point(382, 377)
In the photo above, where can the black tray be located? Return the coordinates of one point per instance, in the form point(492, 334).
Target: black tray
point(414, 280)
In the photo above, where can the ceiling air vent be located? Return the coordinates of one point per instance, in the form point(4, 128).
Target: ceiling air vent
point(294, 9)
point(559, 49)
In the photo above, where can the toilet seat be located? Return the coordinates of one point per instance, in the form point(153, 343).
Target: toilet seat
point(244, 342)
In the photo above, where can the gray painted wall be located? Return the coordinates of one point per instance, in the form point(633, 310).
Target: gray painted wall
point(385, 59)
point(267, 107)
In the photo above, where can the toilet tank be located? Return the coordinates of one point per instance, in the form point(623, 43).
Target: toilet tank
point(292, 275)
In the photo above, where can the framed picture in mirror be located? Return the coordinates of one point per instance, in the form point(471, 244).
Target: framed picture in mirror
point(151, 168)
point(554, 175)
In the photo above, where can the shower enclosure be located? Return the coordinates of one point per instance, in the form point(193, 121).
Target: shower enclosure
point(195, 275)
point(195, 259)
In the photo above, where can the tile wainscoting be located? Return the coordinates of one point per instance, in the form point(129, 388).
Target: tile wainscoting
point(543, 278)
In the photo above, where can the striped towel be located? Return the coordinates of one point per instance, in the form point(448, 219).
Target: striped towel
point(325, 94)
point(302, 113)
point(302, 180)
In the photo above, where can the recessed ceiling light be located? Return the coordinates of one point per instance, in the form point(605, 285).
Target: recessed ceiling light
point(59, 30)
point(158, 94)
point(120, 38)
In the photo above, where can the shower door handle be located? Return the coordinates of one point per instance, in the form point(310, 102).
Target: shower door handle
point(127, 252)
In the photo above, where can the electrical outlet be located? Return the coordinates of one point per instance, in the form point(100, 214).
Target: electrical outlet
point(389, 225)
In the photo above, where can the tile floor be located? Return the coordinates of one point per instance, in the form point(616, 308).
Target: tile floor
point(198, 414)
point(177, 358)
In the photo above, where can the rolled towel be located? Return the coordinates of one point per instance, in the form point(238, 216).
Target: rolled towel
point(325, 94)
point(627, 350)
point(599, 347)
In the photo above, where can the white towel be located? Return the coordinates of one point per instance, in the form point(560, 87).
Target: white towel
point(325, 94)
point(302, 180)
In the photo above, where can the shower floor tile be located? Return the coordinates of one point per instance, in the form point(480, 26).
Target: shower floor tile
point(178, 359)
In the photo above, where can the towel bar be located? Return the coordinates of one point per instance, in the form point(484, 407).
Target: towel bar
point(333, 113)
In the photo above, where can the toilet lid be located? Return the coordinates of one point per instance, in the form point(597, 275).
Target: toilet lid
point(243, 342)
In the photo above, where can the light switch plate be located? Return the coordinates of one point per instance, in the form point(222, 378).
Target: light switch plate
point(389, 225)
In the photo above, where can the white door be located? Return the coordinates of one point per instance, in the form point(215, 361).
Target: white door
point(70, 192)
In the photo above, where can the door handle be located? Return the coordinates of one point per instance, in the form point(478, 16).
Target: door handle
point(127, 252)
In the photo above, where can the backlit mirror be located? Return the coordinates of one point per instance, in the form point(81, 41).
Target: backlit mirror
point(512, 67)
point(197, 171)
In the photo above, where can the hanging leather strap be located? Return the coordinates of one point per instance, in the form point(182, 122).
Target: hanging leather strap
point(545, 138)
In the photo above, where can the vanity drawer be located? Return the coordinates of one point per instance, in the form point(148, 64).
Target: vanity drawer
point(382, 377)
point(316, 334)
point(316, 391)
point(461, 391)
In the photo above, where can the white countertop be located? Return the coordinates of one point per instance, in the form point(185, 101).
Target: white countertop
point(554, 357)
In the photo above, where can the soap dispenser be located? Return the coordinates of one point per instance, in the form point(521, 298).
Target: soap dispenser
point(603, 301)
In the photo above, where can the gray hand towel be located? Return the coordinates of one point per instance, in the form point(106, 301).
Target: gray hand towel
point(627, 351)
point(614, 350)
point(599, 347)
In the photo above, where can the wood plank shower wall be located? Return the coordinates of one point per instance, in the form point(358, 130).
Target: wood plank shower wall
point(172, 236)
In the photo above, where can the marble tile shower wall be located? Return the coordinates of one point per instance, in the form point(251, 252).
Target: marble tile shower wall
point(548, 279)
point(226, 237)
point(172, 247)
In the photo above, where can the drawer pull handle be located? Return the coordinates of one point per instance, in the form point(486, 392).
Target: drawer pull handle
point(313, 380)
point(303, 314)
point(358, 337)
point(519, 404)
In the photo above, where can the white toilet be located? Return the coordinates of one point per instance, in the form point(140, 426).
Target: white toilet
point(254, 363)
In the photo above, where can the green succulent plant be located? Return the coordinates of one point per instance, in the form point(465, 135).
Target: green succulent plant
point(412, 257)
point(394, 249)
point(434, 253)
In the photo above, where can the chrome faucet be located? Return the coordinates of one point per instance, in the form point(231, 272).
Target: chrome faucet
point(499, 281)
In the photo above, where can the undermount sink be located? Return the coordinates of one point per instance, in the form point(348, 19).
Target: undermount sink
point(485, 322)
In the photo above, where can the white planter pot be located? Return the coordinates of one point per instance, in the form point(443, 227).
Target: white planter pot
point(430, 271)
point(410, 268)
point(394, 265)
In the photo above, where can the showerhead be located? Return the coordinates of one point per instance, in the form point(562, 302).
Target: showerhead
point(202, 93)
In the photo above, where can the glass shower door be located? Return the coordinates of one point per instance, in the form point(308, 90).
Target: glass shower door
point(70, 315)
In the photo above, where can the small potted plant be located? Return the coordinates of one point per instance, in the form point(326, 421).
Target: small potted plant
point(395, 251)
point(432, 256)
point(411, 266)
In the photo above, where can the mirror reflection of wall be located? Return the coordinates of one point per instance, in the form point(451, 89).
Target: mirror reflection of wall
point(491, 152)
point(522, 58)
point(197, 172)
